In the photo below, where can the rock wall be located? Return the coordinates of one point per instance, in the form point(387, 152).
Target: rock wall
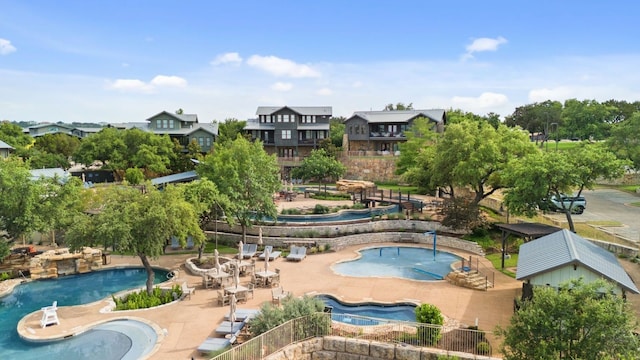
point(54, 263)
point(335, 348)
point(373, 168)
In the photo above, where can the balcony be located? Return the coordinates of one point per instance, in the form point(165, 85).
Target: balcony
point(386, 135)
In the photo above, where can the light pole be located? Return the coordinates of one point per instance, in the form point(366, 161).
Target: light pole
point(554, 126)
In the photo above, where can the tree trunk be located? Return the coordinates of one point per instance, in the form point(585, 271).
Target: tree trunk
point(569, 220)
point(150, 273)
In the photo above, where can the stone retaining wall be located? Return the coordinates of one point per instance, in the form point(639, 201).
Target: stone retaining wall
point(53, 263)
point(339, 348)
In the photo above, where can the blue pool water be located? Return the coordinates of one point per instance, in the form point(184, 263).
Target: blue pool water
point(69, 290)
point(394, 261)
point(401, 312)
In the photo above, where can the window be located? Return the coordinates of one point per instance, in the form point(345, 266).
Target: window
point(171, 124)
point(208, 141)
point(293, 117)
point(165, 123)
point(286, 134)
point(159, 124)
point(321, 134)
point(280, 118)
point(201, 141)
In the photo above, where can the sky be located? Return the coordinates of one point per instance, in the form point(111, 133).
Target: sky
point(124, 61)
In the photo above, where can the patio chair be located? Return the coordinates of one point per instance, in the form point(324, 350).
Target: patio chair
point(226, 327)
point(215, 344)
point(272, 254)
point(241, 296)
point(50, 315)
point(243, 314)
point(207, 282)
point(175, 243)
point(249, 250)
point(277, 294)
point(223, 299)
point(250, 287)
point(298, 253)
point(190, 244)
point(186, 290)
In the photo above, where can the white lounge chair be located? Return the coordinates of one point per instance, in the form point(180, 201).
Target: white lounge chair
point(298, 253)
point(249, 250)
point(272, 254)
point(215, 344)
point(226, 327)
point(186, 290)
point(243, 314)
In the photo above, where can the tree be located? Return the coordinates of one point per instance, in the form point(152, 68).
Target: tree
point(13, 135)
point(398, 107)
point(58, 144)
point(416, 153)
point(230, 129)
point(336, 130)
point(19, 198)
point(587, 119)
point(537, 118)
point(140, 222)
point(319, 166)
point(59, 202)
point(247, 175)
point(540, 175)
point(576, 321)
point(624, 140)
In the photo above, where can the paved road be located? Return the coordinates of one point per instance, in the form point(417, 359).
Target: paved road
point(611, 205)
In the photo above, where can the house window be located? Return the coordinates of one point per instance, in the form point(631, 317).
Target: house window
point(171, 124)
point(208, 141)
point(280, 118)
point(321, 134)
point(165, 123)
point(201, 141)
point(293, 117)
point(159, 124)
point(286, 134)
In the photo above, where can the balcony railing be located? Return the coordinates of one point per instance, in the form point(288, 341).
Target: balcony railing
point(386, 134)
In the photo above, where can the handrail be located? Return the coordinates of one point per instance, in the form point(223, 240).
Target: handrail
point(489, 275)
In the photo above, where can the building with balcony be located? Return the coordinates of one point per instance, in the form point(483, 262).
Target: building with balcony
point(380, 132)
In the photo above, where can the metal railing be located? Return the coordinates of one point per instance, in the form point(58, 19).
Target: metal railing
point(360, 327)
point(469, 265)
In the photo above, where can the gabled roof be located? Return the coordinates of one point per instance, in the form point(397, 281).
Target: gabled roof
point(50, 173)
point(399, 116)
point(175, 178)
point(4, 145)
point(302, 110)
point(564, 248)
point(182, 117)
point(69, 127)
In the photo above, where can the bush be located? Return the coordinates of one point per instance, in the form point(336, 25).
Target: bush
point(142, 300)
point(429, 314)
point(5, 276)
point(483, 348)
point(358, 206)
point(271, 316)
point(320, 209)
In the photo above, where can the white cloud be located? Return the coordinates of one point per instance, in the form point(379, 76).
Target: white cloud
point(483, 44)
point(324, 92)
point(282, 67)
point(163, 80)
point(280, 86)
point(484, 101)
point(560, 93)
point(130, 85)
point(6, 47)
point(227, 58)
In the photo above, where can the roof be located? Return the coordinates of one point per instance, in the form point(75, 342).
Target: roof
point(175, 178)
point(528, 230)
point(4, 145)
point(49, 173)
point(399, 116)
point(182, 117)
point(564, 248)
point(302, 110)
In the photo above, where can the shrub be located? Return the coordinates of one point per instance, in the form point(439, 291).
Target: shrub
point(483, 348)
point(320, 209)
point(5, 276)
point(358, 206)
point(271, 316)
point(429, 314)
point(142, 300)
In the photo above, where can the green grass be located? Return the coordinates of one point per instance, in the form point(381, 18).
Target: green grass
point(562, 145)
point(396, 187)
point(496, 260)
point(636, 204)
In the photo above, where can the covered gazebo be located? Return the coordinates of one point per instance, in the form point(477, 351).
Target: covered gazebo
point(527, 231)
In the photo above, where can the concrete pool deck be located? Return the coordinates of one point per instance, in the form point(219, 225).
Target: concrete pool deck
point(190, 321)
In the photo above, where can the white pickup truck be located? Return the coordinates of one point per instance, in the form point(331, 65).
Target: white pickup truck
point(579, 203)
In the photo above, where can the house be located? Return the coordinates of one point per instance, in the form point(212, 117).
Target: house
point(184, 128)
point(382, 131)
point(562, 256)
point(44, 129)
point(5, 150)
point(290, 131)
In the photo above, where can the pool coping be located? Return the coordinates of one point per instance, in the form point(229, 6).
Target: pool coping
point(29, 328)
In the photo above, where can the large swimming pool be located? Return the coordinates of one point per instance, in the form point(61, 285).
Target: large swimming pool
point(102, 342)
point(399, 261)
point(356, 314)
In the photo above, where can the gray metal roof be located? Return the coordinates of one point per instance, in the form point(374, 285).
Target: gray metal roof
point(175, 178)
point(50, 173)
point(315, 126)
point(4, 145)
point(182, 117)
point(302, 110)
point(399, 116)
point(565, 248)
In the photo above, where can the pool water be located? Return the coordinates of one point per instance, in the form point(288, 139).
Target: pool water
point(396, 261)
point(68, 290)
point(399, 312)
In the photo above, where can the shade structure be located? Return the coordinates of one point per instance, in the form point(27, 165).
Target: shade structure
point(216, 259)
point(232, 310)
point(267, 254)
point(240, 246)
point(236, 274)
point(260, 236)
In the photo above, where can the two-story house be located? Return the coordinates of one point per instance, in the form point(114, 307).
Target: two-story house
point(44, 129)
point(185, 128)
point(290, 131)
point(382, 131)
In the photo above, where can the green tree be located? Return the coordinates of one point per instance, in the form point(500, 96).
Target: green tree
point(59, 144)
point(247, 175)
point(230, 129)
point(37, 159)
point(134, 176)
point(537, 118)
point(587, 119)
point(576, 321)
point(429, 314)
point(60, 202)
point(416, 154)
point(19, 198)
point(398, 107)
point(140, 223)
point(13, 135)
point(319, 166)
point(624, 139)
point(271, 316)
point(336, 131)
point(542, 174)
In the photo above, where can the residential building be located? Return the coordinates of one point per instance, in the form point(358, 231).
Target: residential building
point(184, 128)
point(5, 150)
point(381, 131)
point(290, 131)
point(44, 129)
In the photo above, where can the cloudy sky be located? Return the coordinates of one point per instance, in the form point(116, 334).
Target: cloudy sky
point(123, 61)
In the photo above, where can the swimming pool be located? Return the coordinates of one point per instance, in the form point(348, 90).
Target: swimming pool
point(397, 311)
point(70, 290)
point(399, 261)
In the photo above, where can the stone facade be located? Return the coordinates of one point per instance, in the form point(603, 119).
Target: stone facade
point(54, 263)
point(339, 348)
point(371, 168)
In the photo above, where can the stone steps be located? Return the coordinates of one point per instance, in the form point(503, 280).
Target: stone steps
point(471, 280)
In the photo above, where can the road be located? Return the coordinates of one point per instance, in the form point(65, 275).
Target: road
point(611, 205)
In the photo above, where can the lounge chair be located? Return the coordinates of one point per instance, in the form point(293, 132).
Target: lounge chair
point(226, 327)
point(249, 250)
point(277, 295)
point(186, 290)
point(190, 244)
point(244, 314)
point(298, 253)
point(175, 243)
point(215, 344)
point(272, 254)
point(50, 315)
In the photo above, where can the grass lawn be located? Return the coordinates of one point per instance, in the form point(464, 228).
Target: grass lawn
point(496, 260)
point(561, 146)
point(396, 187)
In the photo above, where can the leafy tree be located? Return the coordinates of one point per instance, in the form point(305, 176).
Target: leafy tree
point(209, 204)
point(180, 111)
point(13, 135)
point(101, 146)
point(60, 201)
point(542, 174)
point(230, 129)
point(336, 130)
point(576, 321)
point(586, 119)
point(59, 144)
point(624, 139)
point(19, 198)
point(140, 222)
point(319, 166)
point(399, 106)
point(429, 314)
point(537, 117)
point(416, 153)
point(247, 175)
point(134, 176)
point(621, 110)
point(37, 159)
point(182, 161)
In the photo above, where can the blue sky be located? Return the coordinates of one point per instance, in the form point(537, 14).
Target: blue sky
point(122, 61)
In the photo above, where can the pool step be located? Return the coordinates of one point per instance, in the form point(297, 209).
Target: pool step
point(470, 279)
